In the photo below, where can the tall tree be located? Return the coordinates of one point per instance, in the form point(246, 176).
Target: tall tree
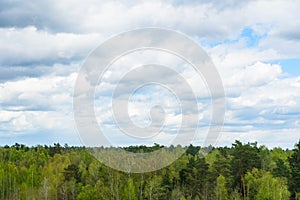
point(245, 158)
point(294, 181)
point(129, 191)
point(221, 191)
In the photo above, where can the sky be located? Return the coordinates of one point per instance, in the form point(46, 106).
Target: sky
point(255, 45)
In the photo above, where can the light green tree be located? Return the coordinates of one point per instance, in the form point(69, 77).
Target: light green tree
point(129, 191)
point(272, 188)
point(221, 191)
point(261, 185)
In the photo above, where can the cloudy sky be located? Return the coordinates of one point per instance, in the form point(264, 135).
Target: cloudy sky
point(255, 45)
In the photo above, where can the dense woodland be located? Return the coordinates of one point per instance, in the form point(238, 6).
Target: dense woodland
point(242, 171)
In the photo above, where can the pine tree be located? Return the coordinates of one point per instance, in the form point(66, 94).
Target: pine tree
point(294, 181)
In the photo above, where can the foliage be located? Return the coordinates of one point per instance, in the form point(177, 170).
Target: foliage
point(294, 181)
point(242, 171)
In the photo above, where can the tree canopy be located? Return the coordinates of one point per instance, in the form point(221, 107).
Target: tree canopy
point(242, 171)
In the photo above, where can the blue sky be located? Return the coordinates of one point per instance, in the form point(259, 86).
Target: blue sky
point(44, 43)
point(290, 66)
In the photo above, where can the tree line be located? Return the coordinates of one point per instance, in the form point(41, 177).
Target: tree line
point(240, 172)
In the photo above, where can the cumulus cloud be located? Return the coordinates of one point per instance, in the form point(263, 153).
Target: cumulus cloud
point(29, 46)
point(43, 49)
point(37, 93)
point(33, 105)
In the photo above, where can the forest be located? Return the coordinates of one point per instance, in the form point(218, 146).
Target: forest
point(240, 172)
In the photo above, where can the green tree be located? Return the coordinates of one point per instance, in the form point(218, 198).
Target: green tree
point(86, 193)
point(129, 191)
point(281, 170)
point(272, 188)
point(245, 158)
point(262, 185)
point(221, 191)
point(153, 189)
point(294, 181)
point(194, 176)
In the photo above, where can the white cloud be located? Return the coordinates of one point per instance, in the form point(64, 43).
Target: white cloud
point(26, 46)
point(42, 51)
point(32, 93)
point(37, 104)
point(258, 74)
